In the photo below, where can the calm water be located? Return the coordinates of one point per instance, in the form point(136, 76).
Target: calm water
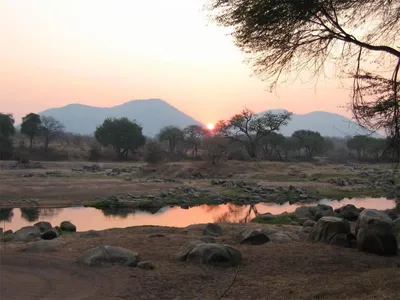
point(91, 218)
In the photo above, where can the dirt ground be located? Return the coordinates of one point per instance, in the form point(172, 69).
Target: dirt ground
point(295, 270)
point(32, 187)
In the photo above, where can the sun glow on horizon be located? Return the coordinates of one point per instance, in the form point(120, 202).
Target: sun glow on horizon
point(210, 126)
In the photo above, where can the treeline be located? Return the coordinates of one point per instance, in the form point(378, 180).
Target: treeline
point(245, 136)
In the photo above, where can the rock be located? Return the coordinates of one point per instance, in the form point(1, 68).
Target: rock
point(282, 237)
point(50, 234)
point(67, 226)
point(109, 254)
point(43, 226)
point(209, 254)
point(253, 237)
point(309, 223)
point(324, 213)
point(155, 235)
point(146, 265)
point(327, 228)
point(40, 247)
point(26, 234)
point(90, 234)
point(7, 236)
point(1, 230)
point(349, 212)
point(375, 233)
point(396, 221)
point(212, 229)
point(307, 229)
point(391, 213)
point(208, 239)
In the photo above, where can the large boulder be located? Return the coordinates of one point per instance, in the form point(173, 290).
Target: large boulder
point(375, 233)
point(40, 247)
point(109, 254)
point(67, 226)
point(349, 212)
point(210, 254)
point(313, 212)
point(50, 234)
point(309, 223)
point(212, 229)
point(27, 234)
point(43, 226)
point(253, 237)
point(6, 236)
point(327, 229)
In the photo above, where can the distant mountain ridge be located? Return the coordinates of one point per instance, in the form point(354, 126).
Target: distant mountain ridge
point(154, 114)
point(151, 114)
point(326, 123)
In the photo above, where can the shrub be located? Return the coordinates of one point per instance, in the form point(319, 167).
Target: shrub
point(153, 152)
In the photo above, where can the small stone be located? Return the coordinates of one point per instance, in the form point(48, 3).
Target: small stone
point(146, 265)
point(156, 235)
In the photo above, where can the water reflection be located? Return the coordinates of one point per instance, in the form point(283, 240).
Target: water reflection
point(6, 214)
point(91, 218)
point(30, 214)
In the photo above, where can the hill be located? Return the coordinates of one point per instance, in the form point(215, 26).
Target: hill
point(152, 114)
point(326, 123)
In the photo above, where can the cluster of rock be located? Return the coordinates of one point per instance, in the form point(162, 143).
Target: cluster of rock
point(27, 165)
point(93, 168)
point(187, 196)
point(41, 230)
point(119, 171)
point(369, 230)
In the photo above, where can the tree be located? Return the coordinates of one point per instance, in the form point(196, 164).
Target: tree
point(249, 128)
point(50, 129)
point(358, 143)
point(193, 136)
point(288, 37)
point(216, 147)
point(311, 141)
point(7, 130)
point(173, 135)
point(31, 125)
point(121, 134)
point(153, 152)
point(272, 144)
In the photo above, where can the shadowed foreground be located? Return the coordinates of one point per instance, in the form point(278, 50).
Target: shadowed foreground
point(295, 270)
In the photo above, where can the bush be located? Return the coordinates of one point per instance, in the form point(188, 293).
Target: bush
point(94, 154)
point(153, 152)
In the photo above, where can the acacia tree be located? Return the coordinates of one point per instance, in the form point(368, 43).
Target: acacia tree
point(287, 37)
point(50, 129)
point(121, 134)
point(248, 128)
point(173, 135)
point(193, 136)
point(31, 126)
point(358, 143)
point(311, 141)
point(272, 144)
point(7, 130)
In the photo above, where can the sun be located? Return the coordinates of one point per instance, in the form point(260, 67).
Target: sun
point(210, 126)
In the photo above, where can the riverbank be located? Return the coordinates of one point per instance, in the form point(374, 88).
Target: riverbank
point(276, 270)
point(187, 184)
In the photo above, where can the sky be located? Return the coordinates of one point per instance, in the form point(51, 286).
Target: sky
point(104, 53)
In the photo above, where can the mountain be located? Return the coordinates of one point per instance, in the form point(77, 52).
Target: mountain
point(152, 115)
point(326, 123)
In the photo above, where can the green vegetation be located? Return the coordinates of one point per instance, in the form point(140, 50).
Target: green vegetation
point(282, 219)
point(31, 127)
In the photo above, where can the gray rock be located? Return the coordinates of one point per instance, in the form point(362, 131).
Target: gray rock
point(307, 229)
point(396, 221)
point(327, 228)
point(50, 234)
point(26, 234)
point(43, 226)
point(309, 223)
point(90, 234)
point(253, 237)
point(349, 212)
point(324, 213)
point(146, 265)
point(208, 239)
point(67, 226)
point(209, 254)
point(155, 235)
point(212, 229)
point(375, 233)
point(283, 237)
point(7, 236)
point(109, 254)
point(40, 247)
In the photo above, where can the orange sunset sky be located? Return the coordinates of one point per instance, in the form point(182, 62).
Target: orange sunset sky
point(104, 53)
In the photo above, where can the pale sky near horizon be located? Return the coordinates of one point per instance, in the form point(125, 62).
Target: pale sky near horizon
point(104, 53)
